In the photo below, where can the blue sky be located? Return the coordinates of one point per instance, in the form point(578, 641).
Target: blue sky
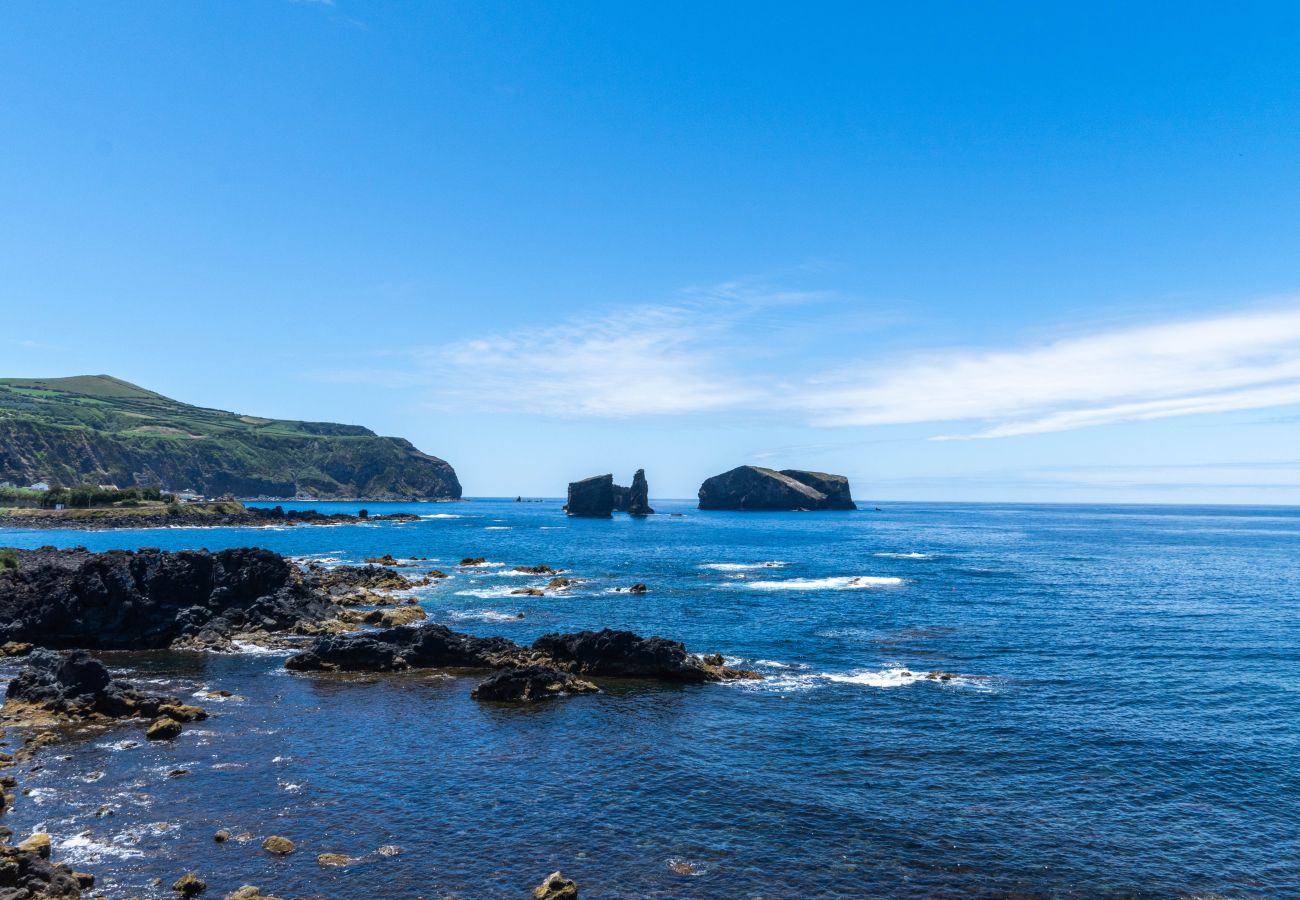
point(955, 251)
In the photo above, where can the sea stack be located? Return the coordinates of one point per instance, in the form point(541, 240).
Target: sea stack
point(754, 488)
point(598, 497)
point(638, 495)
point(591, 498)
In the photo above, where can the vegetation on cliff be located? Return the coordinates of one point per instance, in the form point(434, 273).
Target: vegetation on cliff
point(97, 429)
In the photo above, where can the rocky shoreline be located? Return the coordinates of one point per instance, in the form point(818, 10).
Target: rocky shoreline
point(58, 604)
point(183, 517)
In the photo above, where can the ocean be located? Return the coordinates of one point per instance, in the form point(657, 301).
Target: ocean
point(1122, 716)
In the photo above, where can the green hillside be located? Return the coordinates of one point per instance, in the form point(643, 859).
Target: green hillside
point(96, 429)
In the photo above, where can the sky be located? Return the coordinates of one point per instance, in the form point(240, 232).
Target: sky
point(957, 252)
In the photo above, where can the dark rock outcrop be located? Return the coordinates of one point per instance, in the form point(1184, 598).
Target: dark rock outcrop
point(74, 686)
point(638, 495)
point(26, 873)
point(627, 655)
point(407, 647)
point(598, 497)
point(835, 488)
point(556, 887)
point(591, 498)
point(531, 683)
point(756, 488)
point(147, 599)
point(597, 653)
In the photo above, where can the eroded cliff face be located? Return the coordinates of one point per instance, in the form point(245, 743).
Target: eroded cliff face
point(370, 467)
point(759, 489)
point(97, 429)
point(598, 497)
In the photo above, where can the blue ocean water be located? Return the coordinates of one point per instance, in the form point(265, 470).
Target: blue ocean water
point(1124, 717)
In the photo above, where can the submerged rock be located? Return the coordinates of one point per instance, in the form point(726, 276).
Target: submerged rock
point(164, 728)
point(333, 859)
point(591, 498)
point(69, 686)
point(152, 599)
point(556, 887)
point(249, 892)
point(189, 885)
point(756, 488)
point(531, 683)
point(280, 846)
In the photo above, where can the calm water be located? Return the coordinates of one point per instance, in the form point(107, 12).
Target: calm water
point(1126, 718)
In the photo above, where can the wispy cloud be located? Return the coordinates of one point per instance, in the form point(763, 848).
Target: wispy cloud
point(674, 358)
point(738, 347)
point(1240, 361)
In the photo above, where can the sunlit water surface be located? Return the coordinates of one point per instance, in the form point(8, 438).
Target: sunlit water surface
point(1125, 717)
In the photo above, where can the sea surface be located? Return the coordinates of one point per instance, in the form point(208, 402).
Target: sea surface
point(1124, 716)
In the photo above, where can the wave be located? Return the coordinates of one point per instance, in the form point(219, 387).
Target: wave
point(248, 648)
point(482, 615)
point(442, 516)
point(493, 593)
point(82, 848)
point(783, 677)
point(497, 527)
point(912, 555)
point(742, 567)
point(836, 583)
point(897, 676)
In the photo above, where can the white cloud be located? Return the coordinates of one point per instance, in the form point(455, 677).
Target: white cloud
point(1248, 360)
point(644, 361)
point(668, 359)
point(724, 349)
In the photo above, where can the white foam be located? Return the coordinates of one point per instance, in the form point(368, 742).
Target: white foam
point(250, 649)
point(838, 583)
point(742, 567)
point(442, 516)
point(481, 615)
point(482, 565)
point(119, 745)
point(493, 593)
point(497, 527)
point(82, 847)
point(912, 555)
point(898, 676)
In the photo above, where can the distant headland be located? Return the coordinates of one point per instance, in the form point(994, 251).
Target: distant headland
point(100, 430)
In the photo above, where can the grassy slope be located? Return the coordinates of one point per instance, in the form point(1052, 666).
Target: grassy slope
point(100, 428)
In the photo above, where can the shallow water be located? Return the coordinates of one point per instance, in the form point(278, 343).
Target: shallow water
point(1125, 716)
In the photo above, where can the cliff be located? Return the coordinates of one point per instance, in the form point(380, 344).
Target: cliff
point(757, 488)
point(99, 429)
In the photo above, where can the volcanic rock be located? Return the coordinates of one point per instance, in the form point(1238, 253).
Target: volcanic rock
point(406, 647)
point(611, 653)
point(530, 683)
point(189, 885)
point(592, 497)
point(148, 599)
point(56, 686)
point(622, 653)
point(163, 728)
point(556, 887)
point(834, 487)
point(638, 495)
point(280, 846)
point(756, 488)
point(26, 872)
